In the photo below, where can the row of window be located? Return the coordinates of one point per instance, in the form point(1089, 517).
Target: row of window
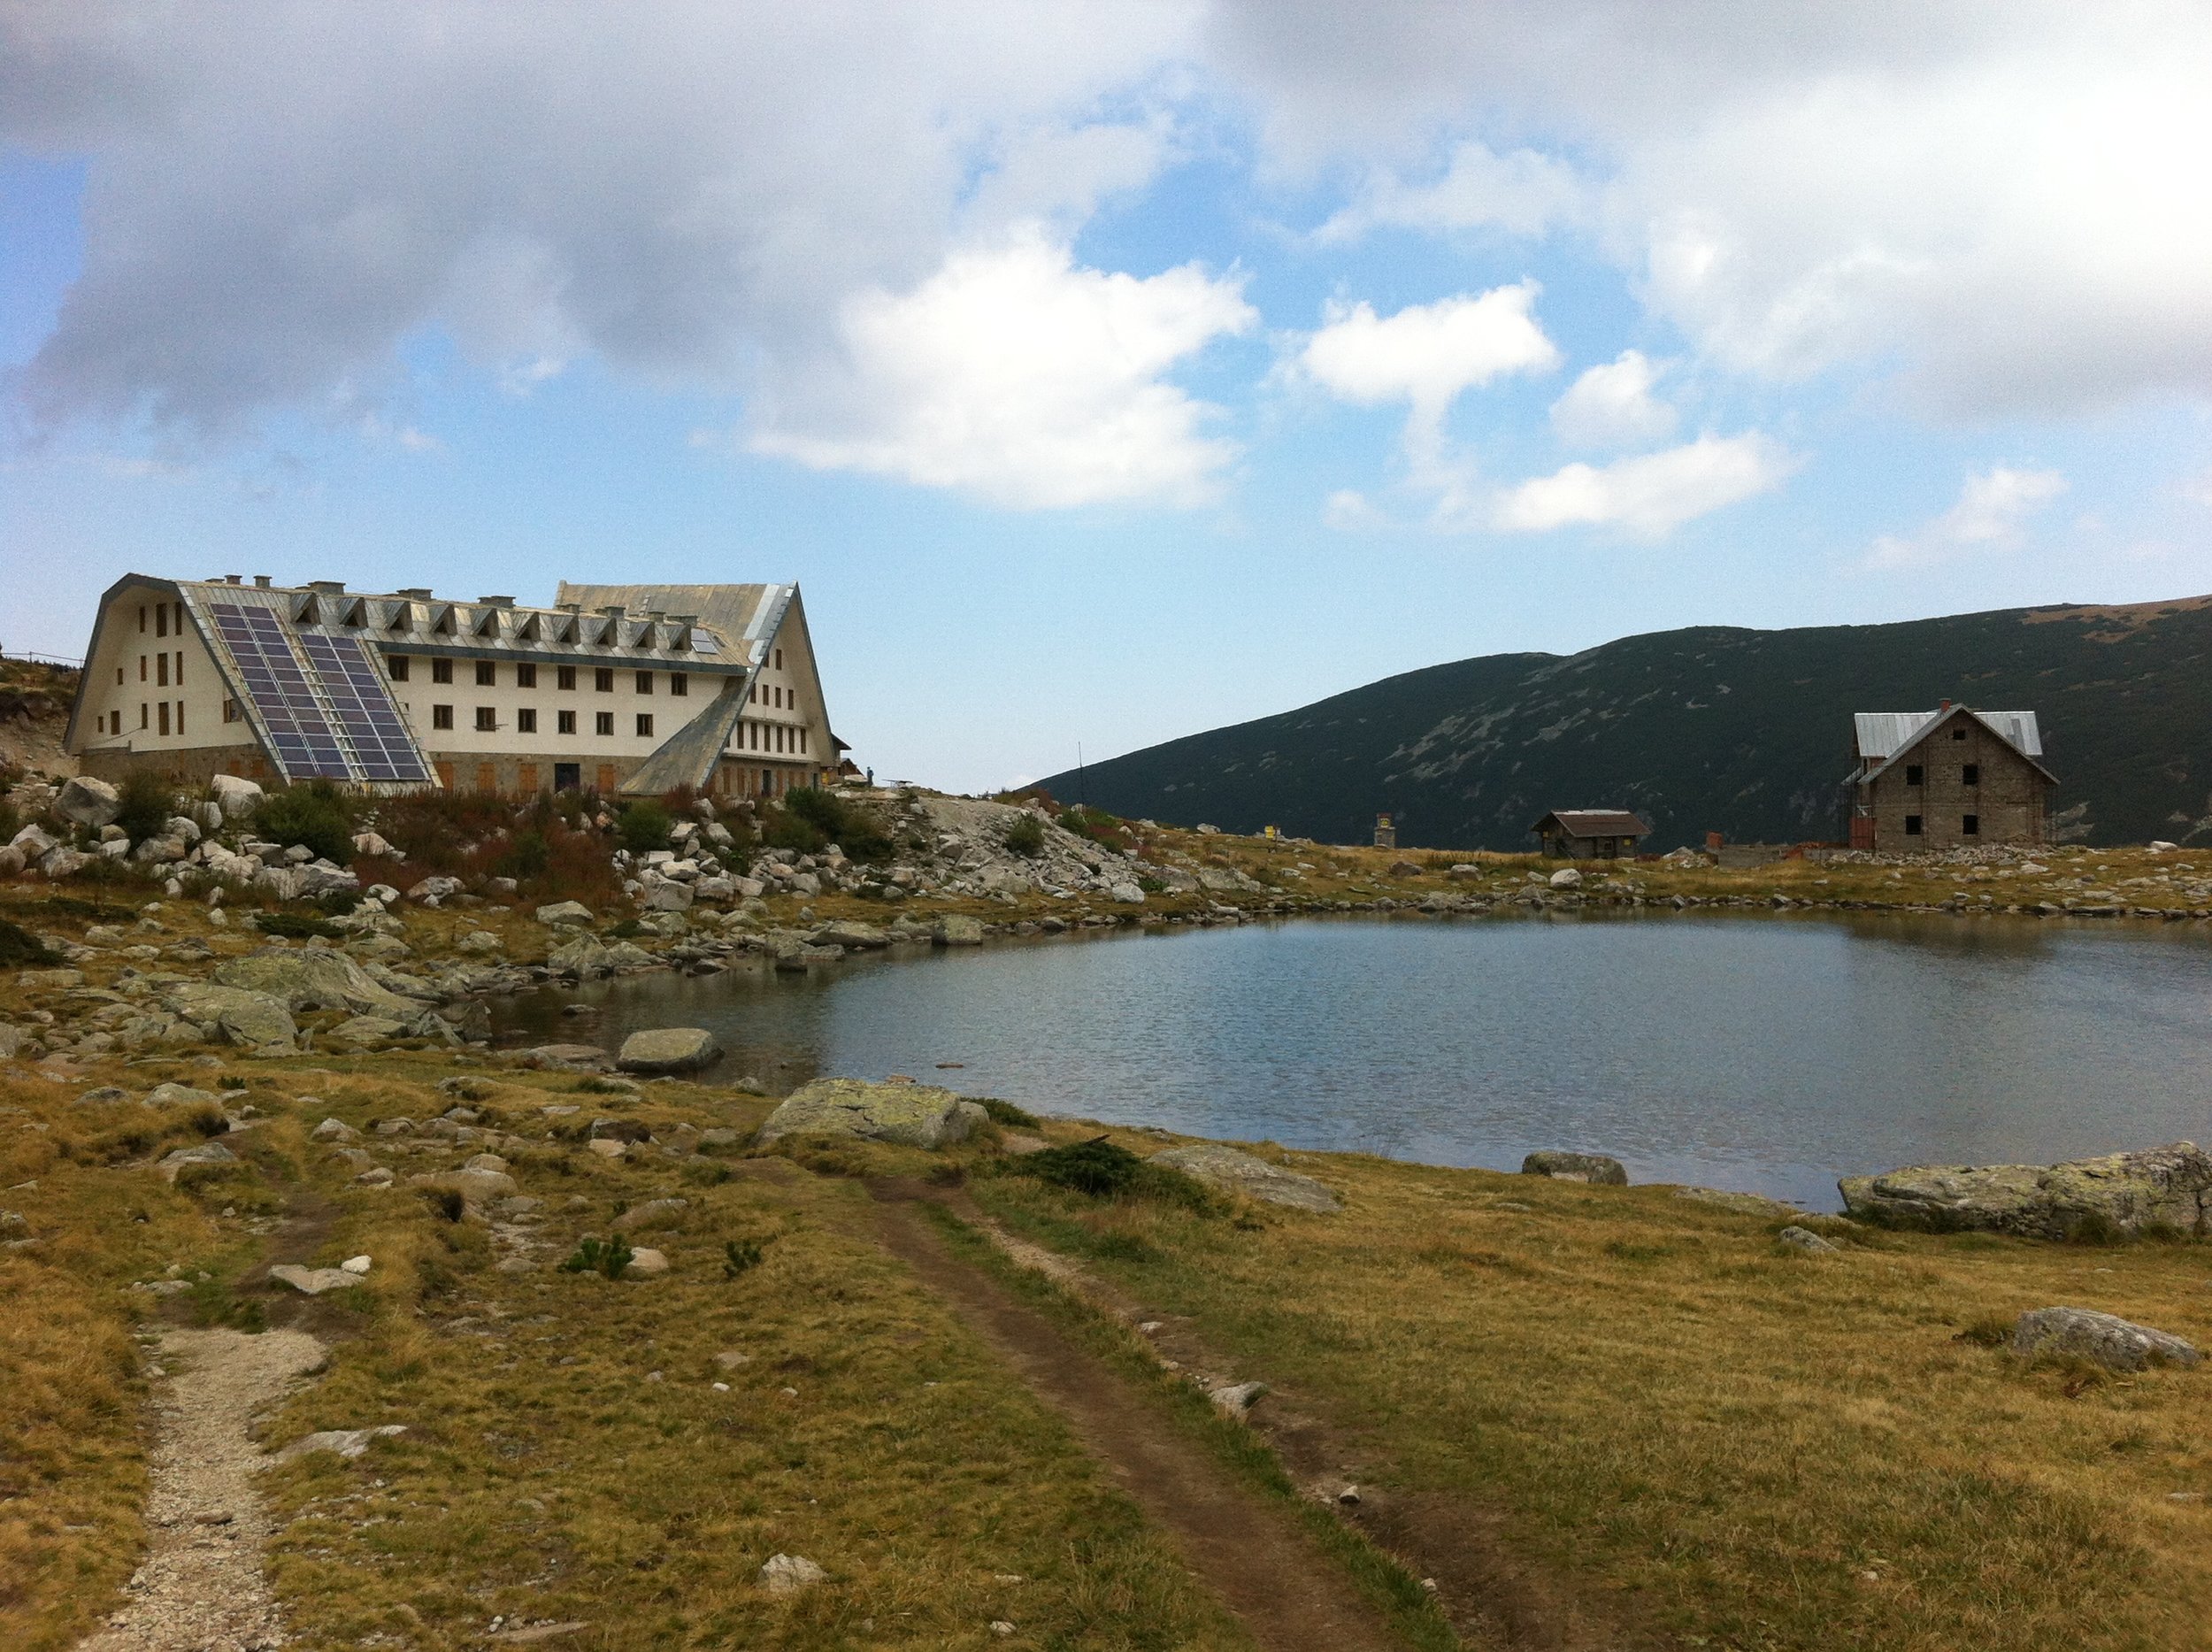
point(1969, 775)
point(112, 722)
point(526, 675)
point(777, 737)
point(165, 615)
point(1969, 825)
point(162, 668)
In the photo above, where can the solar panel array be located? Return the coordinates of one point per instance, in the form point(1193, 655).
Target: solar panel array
point(367, 719)
point(297, 700)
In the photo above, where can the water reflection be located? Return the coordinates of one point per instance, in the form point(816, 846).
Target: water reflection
point(1764, 1053)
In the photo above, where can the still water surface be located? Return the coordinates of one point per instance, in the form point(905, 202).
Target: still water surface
point(1771, 1054)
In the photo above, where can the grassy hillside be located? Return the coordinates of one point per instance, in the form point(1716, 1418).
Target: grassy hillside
point(1711, 729)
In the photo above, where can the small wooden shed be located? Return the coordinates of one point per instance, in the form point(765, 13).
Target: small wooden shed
point(1590, 833)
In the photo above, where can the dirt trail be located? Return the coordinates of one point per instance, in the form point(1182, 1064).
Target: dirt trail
point(201, 1586)
point(1291, 1597)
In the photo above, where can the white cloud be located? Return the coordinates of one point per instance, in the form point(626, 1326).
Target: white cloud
point(1991, 514)
point(2007, 202)
point(1612, 405)
point(1427, 354)
point(1016, 375)
point(1523, 193)
point(1649, 495)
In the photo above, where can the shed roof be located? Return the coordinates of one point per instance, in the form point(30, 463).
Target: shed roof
point(1596, 823)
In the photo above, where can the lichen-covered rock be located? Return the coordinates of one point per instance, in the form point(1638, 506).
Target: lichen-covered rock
point(174, 1094)
point(1591, 1167)
point(314, 978)
point(561, 914)
point(183, 1159)
point(956, 930)
point(913, 1115)
point(2121, 1193)
point(235, 1013)
point(668, 1049)
point(1807, 1240)
point(850, 933)
point(1240, 1171)
point(1741, 1203)
point(652, 1214)
point(475, 1186)
point(369, 1029)
point(2104, 1338)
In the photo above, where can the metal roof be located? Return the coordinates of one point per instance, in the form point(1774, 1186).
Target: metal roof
point(1885, 733)
point(1596, 823)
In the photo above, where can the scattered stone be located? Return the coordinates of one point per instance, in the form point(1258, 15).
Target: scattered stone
point(913, 1115)
point(206, 1153)
point(1566, 878)
point(730, 1359)
point(312, 1282)
point(490, 1162)
point(606, 1148)
point(2121, 1192)
point(668, 1049)
point(645, 1264)
point(475, 1186)
point(560, 914)
point(1805, 1240)
point(174, 1094)
point(347, 1442)
point(356, 1265)
point(956, 930)
point(1590, 1167)
point(653, 1213)
point(104, 1093)
point(2106, 1339)
point(333, 1130)
point(1237, 1399)
point(1243, 1172)
point(790, 1574)
point(566, 1057)
point(235, 1013)
point(89, 802)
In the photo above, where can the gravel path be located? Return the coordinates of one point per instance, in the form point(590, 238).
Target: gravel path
point(201, 1589)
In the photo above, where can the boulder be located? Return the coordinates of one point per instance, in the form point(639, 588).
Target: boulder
point(606, 1148)
point(2121, 1192)
point(184, 1158)
point(570, 1057)
point(645, 1264)
point(333, 1130)
point(1807, 1240)
point(1128, 894)
point(790, 1574)
point(63, 862)
point(347, 1442)
point(559, 914)
point(475, 1186)
point(314, 978)
point(668, 896)
point(174, 1094)
point(850, 934)
point(369, 1029)
point(2104, 1338)
point(668, 1049)
point(1237, 1399)
point(436, 888)
point(237, 797)
point(1242, 1172)
point(583, 959)
point(1741, 1203)
point(240, 1015)
point(653, 1213)
point(479, 941)
point(912, 1115)
point(1592, 1167)
point(373, 843)
point(956, 930)
point(1566, 878)
point(89, 802)
point(313, 1281)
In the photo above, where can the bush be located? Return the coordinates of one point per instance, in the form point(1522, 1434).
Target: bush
point(528, 856)
point(642, 825)
point(297, 926)
point(608, 1256)
point(1007, 1113)
point(810, 819)
point(315, 813)
point(19, 949)
point(148, 804)
point(1097, 1167)
point(741, 1255)
point(1025, 835)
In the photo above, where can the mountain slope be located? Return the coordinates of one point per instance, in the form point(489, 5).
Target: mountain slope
point(1747, 733)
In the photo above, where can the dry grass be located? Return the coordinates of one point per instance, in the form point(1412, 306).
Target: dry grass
point(1739, 1444)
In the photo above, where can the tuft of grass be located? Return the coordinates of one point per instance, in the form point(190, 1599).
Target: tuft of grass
point(604, 1256)
point(1006, 1113)
point(296, 927)
point(741, 1255)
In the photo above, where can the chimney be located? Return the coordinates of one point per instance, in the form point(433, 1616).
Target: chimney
point(415, 593)
point(261, 580)
point(497, 601)
point(614, 611)
point(330, 587)
point(234, 578)
point(1713, 841)
point(1946, 705)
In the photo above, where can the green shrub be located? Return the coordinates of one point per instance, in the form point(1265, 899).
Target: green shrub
point(609, 1256)
point(1025, 835)
point(741, 1255)
point(1097, 1167)
point(296, 927)
point(19, 949)
point(148, 804)
point(642, 825)
point(314, 813)
point(527, 855)
point(810, 819)
point(1007, 1113)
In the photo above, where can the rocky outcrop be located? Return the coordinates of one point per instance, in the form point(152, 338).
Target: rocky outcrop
point(235, 1014)
point(314, 978)
point(912, 1115)
point(1591, 1167)
point(2106, 1339)
point(1239, 1171)
point(2167, 1187)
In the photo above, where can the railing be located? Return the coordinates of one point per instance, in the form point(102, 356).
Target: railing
point(41, 659)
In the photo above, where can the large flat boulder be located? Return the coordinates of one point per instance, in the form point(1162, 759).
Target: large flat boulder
point(314, 978)
point(1240, 1171)
point(1592, 1167)
point(668, 1049)
point(2106, 1339)
point(914, 1115)
point(2121, 1192)
point(235, 1013)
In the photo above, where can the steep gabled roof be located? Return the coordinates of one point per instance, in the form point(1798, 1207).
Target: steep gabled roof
point(1596, 823)
point(1885, 736)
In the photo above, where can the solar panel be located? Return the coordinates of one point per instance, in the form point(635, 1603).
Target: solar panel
point(299, 734)
point(367, 719)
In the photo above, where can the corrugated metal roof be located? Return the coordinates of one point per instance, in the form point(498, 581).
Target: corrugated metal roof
point(1596, 823)
point(1885, 733)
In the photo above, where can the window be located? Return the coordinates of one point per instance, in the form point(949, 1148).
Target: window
point(487, 674)
point(441, 670)
point(603, 680)
point(142, 617)
point(564, 676)
point(527, 723)
point(527, 676)
point(1912, 774)
point(678, 684)
point(398, 665)
point(180, 717)
point(802, 741)
point(644, 725)
point(141, 668)
point(1912, 825)
point(161, 620)
point(164, 710)
point(778, 660)
point(487, 776)
point(566, 722)
point(645, 683)
point(441, 716)
point(141, 714)
point(179, 672)
point(230, 711)
point(753, 697)
point(1971, 773)
point(602, 723)
point(486, 719)
point(1971, 826)
point(161, 671)
point(1958, 731)
point(119, 676)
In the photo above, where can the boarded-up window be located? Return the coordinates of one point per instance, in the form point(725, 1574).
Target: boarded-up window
point(486, 778)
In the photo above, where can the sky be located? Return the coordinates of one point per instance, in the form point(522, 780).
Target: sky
point(1105, 373)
